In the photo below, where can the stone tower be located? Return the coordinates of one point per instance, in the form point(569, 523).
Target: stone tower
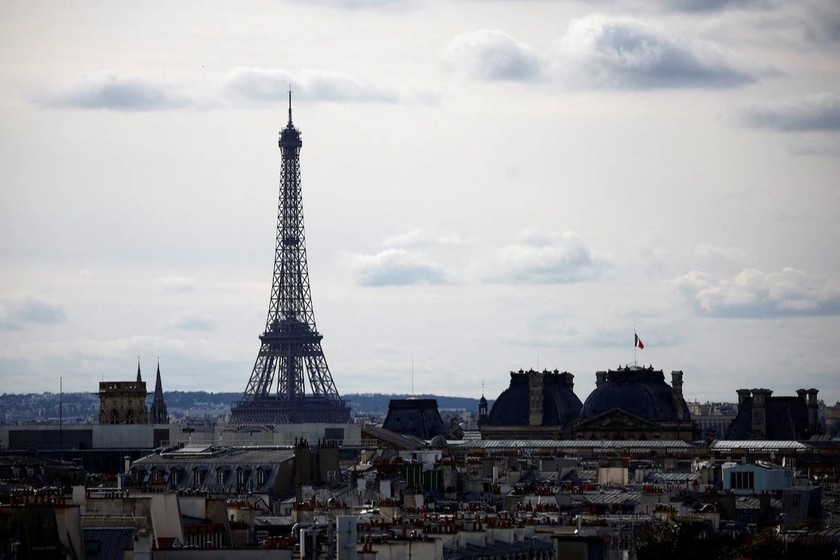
point(123, 402)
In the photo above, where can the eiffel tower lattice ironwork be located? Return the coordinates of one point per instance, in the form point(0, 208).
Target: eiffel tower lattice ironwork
point(291, 344)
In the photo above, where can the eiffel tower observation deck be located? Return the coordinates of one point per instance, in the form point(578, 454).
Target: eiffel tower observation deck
point(290, 348)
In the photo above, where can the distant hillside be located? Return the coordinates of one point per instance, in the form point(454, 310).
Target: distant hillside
point(84, 407)
point(377, 403)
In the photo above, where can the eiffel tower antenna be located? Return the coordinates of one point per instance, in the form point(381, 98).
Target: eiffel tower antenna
point(290, 347)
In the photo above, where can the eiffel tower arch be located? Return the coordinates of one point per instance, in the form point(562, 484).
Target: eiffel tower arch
point(290, 347)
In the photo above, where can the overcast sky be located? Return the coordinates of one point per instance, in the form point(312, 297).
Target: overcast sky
point(488, 186)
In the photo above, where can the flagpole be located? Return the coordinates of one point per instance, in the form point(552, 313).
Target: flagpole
point(635, 362)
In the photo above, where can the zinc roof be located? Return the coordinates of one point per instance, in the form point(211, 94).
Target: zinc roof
point(760, 445)
point(570, 444)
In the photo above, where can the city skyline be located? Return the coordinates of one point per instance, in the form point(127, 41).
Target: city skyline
point(488, 186)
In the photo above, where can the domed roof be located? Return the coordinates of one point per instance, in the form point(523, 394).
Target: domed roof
point(560, 404)
point(637, 390)
point(438, 442)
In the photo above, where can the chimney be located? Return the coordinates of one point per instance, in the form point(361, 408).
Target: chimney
point(743, 394)
point(677, 392)
point(569, 379)
point(535, 398)
point(813, 412)
point(600, 378)
point(759, 412)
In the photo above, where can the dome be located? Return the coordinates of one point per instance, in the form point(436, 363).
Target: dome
point(560, 405)
point(639, 391)
point(438, 442)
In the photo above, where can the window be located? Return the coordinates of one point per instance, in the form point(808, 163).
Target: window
point(242, 476)
point(742, 480)
point(198, 475)
point(221, 475)
point(260, 476)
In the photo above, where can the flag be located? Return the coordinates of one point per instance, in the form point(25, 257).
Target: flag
point(639, 344)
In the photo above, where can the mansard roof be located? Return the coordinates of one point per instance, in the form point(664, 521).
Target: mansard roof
point(640, 391)
point(414, 417)
point(786, 419)
point(561, 405)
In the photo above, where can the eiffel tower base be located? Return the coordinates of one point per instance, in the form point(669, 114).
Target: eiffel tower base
point(266, 414)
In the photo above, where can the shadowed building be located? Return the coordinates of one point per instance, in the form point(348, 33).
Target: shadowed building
point(634, 402)
point(414, 417)
point(765, 417)
point(536, 405)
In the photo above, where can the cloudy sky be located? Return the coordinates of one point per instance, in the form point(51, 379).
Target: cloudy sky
point(489, 185)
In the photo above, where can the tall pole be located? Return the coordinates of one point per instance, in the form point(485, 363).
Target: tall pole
point(60, 417)
point(635, 343)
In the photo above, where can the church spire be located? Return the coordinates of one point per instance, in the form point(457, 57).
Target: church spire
point(157, 412)
point(139, 378)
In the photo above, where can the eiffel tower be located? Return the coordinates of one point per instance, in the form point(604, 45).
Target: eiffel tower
point(291, 342)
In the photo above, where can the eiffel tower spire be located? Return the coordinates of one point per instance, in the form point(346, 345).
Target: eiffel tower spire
point(290, 348)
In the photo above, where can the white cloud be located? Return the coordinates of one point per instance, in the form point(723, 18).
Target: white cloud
point(17, 313)
point(492, 55)
point(267, 85)
point(717, 5)
point(757, 294)
point(357, 4)
point(423, 237)
point(189, 321)
point(546, 258)
point(118, 91)
point(397, 267)
point(112, 90)
point(622, 53)
point(719, 255)
point(804, 113)
point(176, 283)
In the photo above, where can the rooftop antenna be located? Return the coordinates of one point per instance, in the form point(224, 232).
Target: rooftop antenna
point(290, 104)
point(412, 376)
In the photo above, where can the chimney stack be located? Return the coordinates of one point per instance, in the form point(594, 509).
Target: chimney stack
point(759, 412)
point(600, 378)
point(535, 398)
point(813, 412)
point(569, 379)
point(677, 391)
